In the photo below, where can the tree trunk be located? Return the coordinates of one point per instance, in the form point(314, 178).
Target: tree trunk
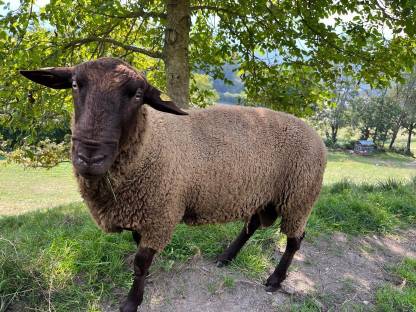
point(396, 131)
point(176, 51)
point(409, 138)
point(393, 138)
point(365, 134)
point(334, 133)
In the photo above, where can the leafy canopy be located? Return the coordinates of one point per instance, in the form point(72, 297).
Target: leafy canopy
point(288, 52)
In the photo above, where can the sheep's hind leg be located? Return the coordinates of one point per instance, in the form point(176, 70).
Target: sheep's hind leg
point(229, 254)
point(279, 274)
point(137, 237)
point(142, 262)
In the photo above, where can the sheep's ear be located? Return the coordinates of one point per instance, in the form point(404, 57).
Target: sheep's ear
point(155, 99)
point(54, 77)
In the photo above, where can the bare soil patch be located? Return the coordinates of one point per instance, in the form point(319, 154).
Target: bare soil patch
point(336, 272)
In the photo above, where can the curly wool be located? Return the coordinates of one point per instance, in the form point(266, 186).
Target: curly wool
point(214, 165)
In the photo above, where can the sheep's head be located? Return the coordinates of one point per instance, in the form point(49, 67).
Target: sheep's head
point(107, 95)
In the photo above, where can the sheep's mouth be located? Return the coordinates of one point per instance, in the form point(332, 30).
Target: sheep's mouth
point(92, 159)
point(91, 171)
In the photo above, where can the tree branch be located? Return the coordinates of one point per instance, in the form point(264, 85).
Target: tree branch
point(79, 42)
point(215, 9)
point(134, 14)
point(384, 12)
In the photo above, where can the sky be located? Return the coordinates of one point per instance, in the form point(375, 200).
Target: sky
point(14, 4)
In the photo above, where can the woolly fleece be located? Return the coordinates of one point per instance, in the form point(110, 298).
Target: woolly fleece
point(214, 165)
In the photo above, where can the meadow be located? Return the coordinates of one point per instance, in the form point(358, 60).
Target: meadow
point(53, 257)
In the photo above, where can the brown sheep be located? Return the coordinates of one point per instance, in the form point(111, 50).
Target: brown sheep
point(141, 169)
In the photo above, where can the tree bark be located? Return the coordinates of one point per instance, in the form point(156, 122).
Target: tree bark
point(396, 131)
point(334, 133)
point(176, 51)
point(409, 138)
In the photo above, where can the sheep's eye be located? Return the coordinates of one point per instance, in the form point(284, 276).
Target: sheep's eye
point(74, 85)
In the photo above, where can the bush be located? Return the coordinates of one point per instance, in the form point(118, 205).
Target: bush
point(45, 154)
point(402, 151)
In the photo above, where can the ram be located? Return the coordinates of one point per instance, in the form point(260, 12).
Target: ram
point(146, 168)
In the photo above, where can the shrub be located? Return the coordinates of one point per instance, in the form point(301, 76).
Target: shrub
point(45, 154)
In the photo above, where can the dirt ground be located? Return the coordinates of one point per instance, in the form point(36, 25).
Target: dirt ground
point(335, 272)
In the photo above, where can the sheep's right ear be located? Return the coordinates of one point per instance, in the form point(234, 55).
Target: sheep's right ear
point(54, 77)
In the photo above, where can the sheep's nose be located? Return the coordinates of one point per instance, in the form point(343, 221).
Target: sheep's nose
point(90, 160)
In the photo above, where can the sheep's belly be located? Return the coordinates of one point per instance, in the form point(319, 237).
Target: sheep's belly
point(211, 216)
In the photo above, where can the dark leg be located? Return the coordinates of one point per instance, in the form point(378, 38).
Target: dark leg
point(279, 274)
point(230, 253)
point(136, 237)
point(142, 262)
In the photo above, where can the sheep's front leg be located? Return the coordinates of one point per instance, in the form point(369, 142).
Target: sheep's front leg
point(142, 262)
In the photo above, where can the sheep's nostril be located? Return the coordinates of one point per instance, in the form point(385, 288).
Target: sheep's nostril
point(90, 160)
point(83, 158)
point(97, 158)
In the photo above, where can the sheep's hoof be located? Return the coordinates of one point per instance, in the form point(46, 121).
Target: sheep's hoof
point(272, 288)
point(129, 306)
point(222, 263)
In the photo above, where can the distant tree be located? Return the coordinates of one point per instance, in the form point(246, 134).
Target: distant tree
point(396, 95)
point(375, 114)
point(336, 113)
point(404, 94)
point(385, 113)
point(203, 93)
point(410, 125)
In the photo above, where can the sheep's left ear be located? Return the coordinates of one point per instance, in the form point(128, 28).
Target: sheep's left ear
point(54, 77)
point(152, 96)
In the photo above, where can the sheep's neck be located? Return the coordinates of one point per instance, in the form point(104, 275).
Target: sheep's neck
point(130, 149)
point(103, 195)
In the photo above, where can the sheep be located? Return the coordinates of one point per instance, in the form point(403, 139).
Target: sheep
point(146, 168)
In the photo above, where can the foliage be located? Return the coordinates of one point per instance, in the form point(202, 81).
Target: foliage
point(336, 113)
point(45, 154)
point(293, 89)
point(202, 91)
point(287, 53)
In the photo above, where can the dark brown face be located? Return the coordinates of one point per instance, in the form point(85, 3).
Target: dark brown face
point(107, 95)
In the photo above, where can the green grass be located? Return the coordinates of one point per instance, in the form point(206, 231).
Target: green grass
point(369, 169)
point(59, 257)
point(23, 190)
point(403, 298)
point(364, 208)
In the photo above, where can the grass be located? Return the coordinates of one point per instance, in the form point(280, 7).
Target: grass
point(399, 298)
point(23, 190)
point(58, 259)
point(370, 169)
point(364, 208)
